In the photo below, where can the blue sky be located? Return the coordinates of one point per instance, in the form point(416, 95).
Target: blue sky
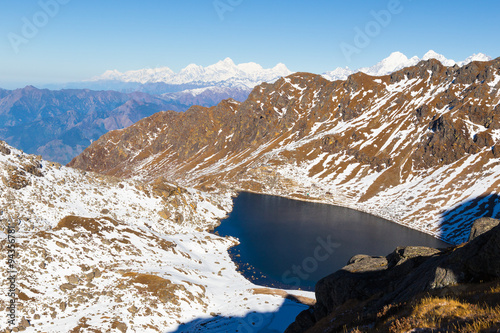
point(80, 39)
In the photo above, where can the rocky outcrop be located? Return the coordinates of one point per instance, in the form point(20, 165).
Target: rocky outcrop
point(405, 273)
point(448, 140)
point(482, 226)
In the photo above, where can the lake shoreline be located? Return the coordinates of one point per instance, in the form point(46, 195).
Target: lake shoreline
point(323, 216)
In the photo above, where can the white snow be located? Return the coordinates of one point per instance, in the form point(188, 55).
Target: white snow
point(495, 81)
point(394, 62)
point(224, 72)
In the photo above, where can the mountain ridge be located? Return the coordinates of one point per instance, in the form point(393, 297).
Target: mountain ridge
point(366, 143)
point(224, 72)
point(60, 124)
point(227, 74)
point(68, 120)
point(397, 61)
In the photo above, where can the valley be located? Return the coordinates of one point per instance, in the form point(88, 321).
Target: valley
point(60, 122)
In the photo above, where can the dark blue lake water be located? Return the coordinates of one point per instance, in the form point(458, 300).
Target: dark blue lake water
point(292, 244)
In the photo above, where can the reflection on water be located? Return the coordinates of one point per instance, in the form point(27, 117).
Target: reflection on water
point(291, 244)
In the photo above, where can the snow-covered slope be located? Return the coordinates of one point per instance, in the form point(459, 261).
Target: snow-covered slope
point(396, 61)
point(96, 253)
point(224, 73)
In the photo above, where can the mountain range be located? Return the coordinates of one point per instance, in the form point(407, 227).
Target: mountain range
point(59, 124)
point(70, 119)
point(224, 74)
point(246, 76)
point(235, 81)
point(408, 146)
point(227, 73)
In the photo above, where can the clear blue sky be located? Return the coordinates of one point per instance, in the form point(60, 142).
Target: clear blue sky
point(86, 37)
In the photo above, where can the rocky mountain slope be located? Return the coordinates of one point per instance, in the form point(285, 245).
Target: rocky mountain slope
point(419, 146)
point(97, 253)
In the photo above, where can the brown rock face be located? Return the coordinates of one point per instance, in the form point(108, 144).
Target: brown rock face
point(362, 140)
point(448, 141)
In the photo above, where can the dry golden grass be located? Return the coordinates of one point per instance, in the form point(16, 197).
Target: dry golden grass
point(152, 283)
point(90, 224)
point(449, 315)
point(466, 308)
point(157, 286)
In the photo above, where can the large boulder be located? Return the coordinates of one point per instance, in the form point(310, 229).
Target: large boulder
point(481, 226)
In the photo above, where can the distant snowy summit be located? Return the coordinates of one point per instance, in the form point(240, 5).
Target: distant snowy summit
point(223, 73)
point(397, 61)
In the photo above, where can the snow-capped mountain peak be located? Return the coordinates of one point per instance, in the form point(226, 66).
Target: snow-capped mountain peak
point(449, 62)
point(396, 61)
point(395, 57)
point(393, 62)
point(431, 54)
point(475, 57)
point(339, 73)
point(223, 73)
point(227, 63)
point(281, 67)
